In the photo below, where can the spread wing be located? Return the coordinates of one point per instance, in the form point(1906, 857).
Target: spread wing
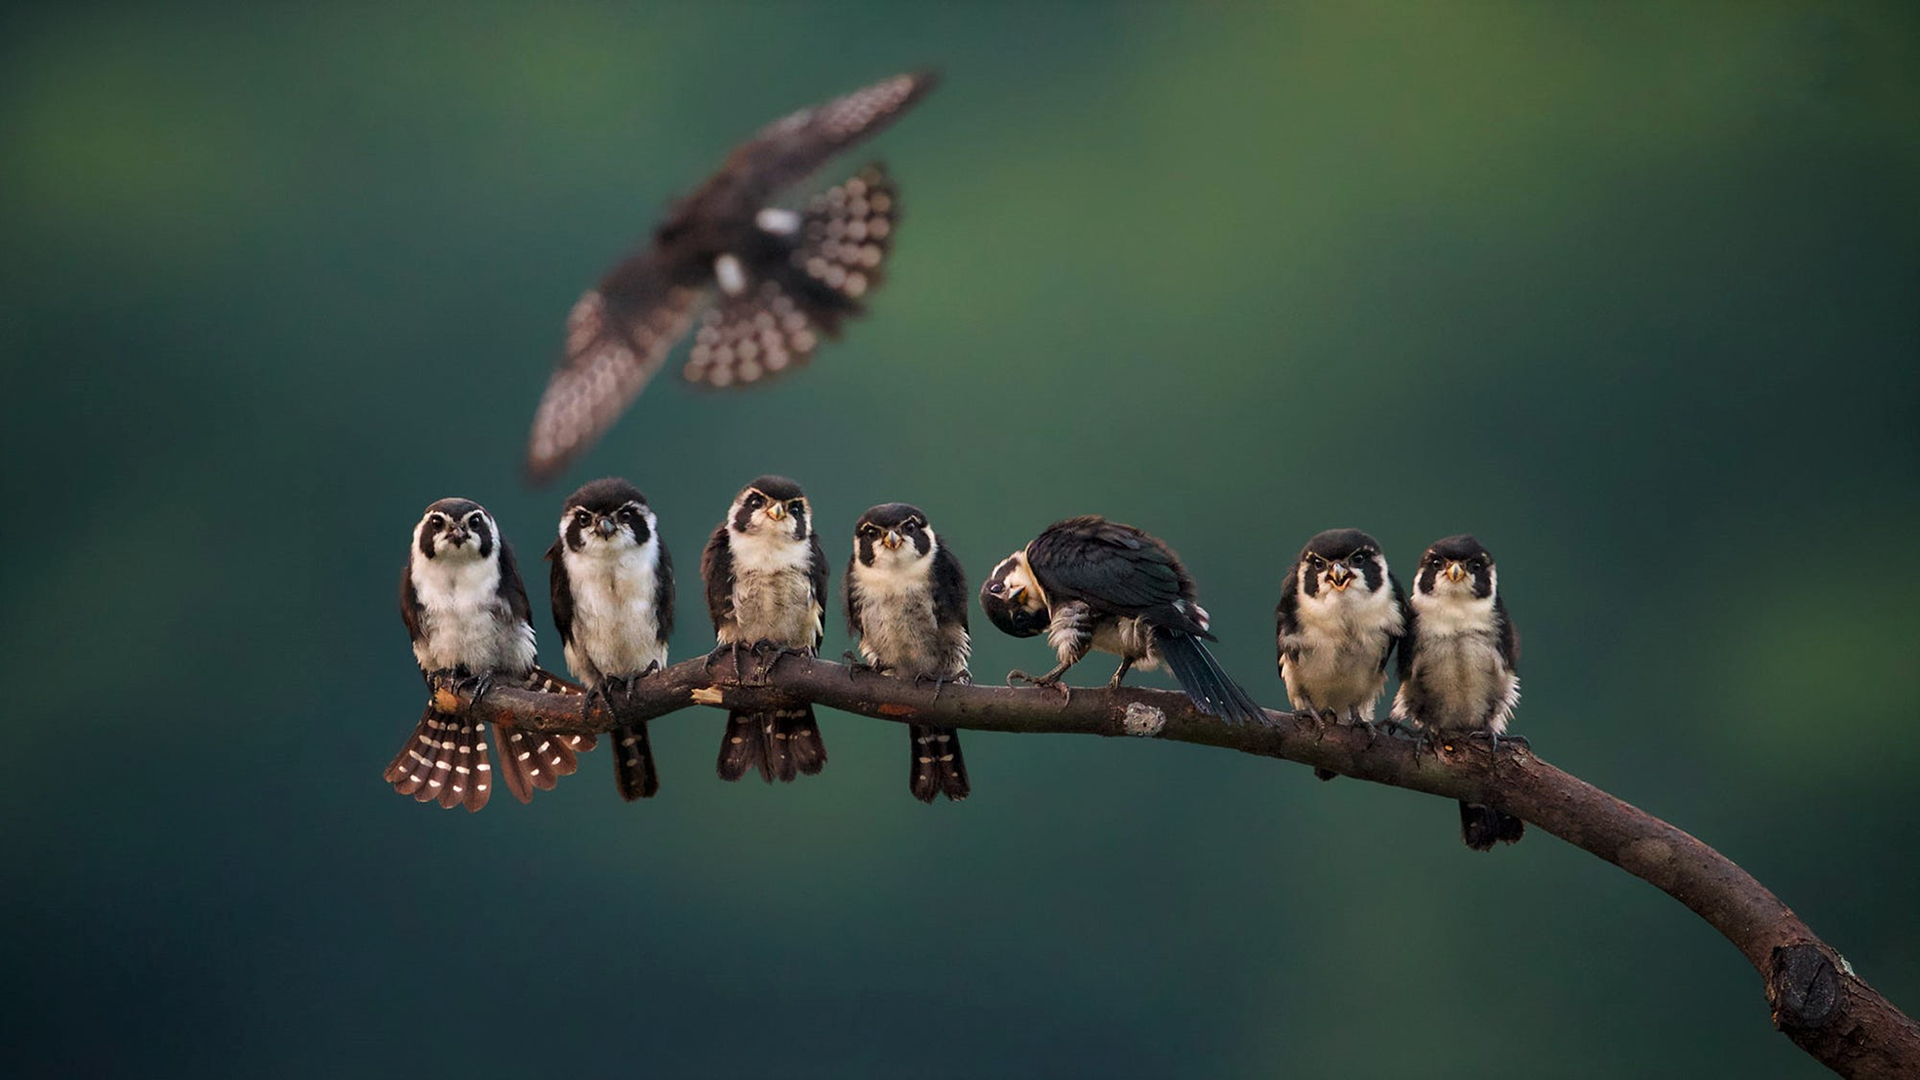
point(1113, 568)
point(716, 570)
point(777, 321)
point(618, 335)
point(792, 147)
point(560, 592)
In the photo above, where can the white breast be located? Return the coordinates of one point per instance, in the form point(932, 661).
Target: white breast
point(898, 627)
point(463, 621)
point(1464, 680)
point(773, 591)
point(615, 618)
point(1337, 650)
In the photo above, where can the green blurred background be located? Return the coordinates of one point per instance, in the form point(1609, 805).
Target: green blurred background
point(1632, 293)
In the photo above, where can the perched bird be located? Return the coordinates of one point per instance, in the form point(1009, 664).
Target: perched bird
point(907, 603)
point(766, 579)
point(612, 583)
point(466, 611)
point(1089, 583)
point(1341, 613)
point(1458, 664)
point(785, 278)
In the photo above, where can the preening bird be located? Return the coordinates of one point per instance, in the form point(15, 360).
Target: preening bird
point(1341, 613)
point(784, 278)
point(766, 579)
point(1458, 664)
point(612, 587)
point(1089, 583)
point(907, 603)
point(466, 610)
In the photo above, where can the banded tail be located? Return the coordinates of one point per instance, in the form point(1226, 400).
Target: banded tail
point(634, 772)
point(1200, 675)
point(535, 760)
point(781, 743)
point(935, 765)
point(1482, 826)
point(444, 761)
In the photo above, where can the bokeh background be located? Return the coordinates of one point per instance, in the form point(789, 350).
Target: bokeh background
point(1631, 292)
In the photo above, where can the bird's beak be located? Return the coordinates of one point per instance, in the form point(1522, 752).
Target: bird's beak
point(1455, 572)
point(777, 512)
point(1016, 595)
point(605, 526)
point(1339, 577)
point(457, 535)
point(891, 540)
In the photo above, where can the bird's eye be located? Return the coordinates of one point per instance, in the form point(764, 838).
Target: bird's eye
point(1474, 565)
point(631, 513)
point(996, 588)
point(910, 526)
point(1358, 558)
point(475, 520)
point(754, 502)
point(796, 506)
point(582, 517)
point(1316, 561)
point(434, 521)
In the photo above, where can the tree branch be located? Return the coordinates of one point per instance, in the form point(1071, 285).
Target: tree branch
point(1816, 999)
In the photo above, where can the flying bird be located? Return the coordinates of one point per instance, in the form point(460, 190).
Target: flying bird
point(1089, 583)
point(1458, 665)
point(1340, 615)
point(766, 579)
point(466, 610)
point(612, 590)
point(907, 603)
point(771, 281)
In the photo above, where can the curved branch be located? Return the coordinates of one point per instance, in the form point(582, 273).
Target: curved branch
point(1816, 998)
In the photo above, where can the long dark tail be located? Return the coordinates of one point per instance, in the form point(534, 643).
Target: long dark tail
point(1199, 674)
point(781, 743)
point(1482, 826)
point(633, 769)
point(444, 761)
point(935, 765)
point(533, 760)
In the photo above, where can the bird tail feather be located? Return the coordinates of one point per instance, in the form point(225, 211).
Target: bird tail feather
point(634, 772)
point(935, 765)
point(1201, 676)
point(782, 744)
point(1483, 826)
point(444, 761)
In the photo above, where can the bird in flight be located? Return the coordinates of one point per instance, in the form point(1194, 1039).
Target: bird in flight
point(766, 283)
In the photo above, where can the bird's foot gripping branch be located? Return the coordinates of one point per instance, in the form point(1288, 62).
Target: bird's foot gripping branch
point(1816, 998)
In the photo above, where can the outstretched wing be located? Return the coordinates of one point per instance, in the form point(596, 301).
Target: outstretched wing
point(802, 292)
point(792, 147)
point(618, 335)
point(1113, 568)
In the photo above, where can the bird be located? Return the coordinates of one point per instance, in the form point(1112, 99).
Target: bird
point(1340, 615)
point(906, 598)
point(612, 591)
point(782, 279)
point(766, 580)
point(1089, 583)
point(1459, 665)
point(466, 611)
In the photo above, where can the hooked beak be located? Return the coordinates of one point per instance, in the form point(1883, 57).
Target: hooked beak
point(457, 535)
point(605, 527)
point(777, 512)
point(892, 540)
point(1339, 577)
point(1455, 572)
point(1017, 594)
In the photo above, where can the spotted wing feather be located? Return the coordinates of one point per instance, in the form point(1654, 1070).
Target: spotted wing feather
point(618, 335)
point(792, 147)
